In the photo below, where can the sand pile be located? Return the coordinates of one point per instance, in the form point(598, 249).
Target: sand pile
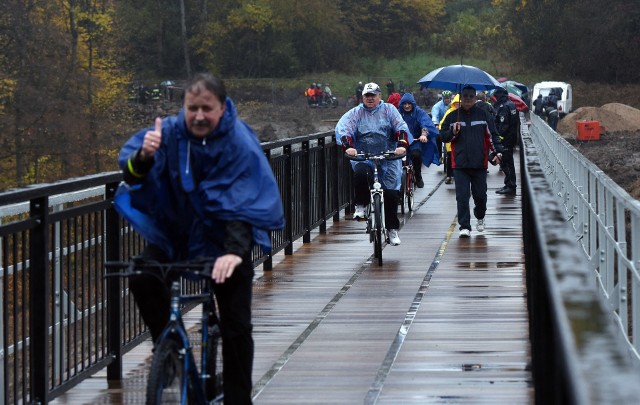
point(615, 117)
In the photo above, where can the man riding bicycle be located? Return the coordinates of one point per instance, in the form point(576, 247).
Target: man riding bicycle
point(374, 127)
point(198, 184)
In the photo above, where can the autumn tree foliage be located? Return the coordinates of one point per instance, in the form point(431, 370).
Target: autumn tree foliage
point(66, 65)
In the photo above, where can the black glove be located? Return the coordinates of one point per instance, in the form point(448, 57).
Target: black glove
point(492, 156)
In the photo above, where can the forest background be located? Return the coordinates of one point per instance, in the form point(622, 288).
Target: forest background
point(67, 66)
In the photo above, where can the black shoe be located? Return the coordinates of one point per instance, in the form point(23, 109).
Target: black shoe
point(506, 191)
point(420, 183)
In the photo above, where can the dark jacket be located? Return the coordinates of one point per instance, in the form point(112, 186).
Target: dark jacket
point(507, 120)
point(478, 134)
point(486, 106)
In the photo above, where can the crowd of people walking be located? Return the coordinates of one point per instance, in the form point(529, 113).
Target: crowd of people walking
point(463, 132)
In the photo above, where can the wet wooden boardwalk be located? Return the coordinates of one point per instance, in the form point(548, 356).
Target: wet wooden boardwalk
point(444, 320)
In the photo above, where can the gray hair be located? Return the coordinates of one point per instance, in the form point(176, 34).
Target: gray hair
point(207, 81)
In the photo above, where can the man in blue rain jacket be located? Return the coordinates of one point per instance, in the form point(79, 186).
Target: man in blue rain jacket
point(198, 184)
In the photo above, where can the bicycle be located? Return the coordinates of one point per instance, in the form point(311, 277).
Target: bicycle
point(407, 185)
point(375, 223)
point(173, 375)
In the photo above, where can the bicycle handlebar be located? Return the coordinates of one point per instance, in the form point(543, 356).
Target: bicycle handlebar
point(198, 268)
point(388, 155)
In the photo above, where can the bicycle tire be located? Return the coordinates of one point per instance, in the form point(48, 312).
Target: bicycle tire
point(403, 182)
point(377, 245)
point(165, 382)
point(213, 386)
point(411, 186)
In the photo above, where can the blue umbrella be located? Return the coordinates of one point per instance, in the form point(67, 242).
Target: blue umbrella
point(455, 77)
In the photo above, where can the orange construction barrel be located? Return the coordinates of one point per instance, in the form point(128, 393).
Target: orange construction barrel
point(588, 130)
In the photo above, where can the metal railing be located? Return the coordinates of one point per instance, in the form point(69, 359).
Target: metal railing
point(579, 272)
point(57, 308)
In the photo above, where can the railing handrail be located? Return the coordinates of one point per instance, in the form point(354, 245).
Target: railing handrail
point(59, 221)
point(599, 212)
point(578, 356)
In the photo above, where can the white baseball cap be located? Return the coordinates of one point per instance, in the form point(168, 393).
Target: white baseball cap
point(371, 88)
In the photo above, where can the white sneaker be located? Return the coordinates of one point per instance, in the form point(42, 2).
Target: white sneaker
point(359, 212)
point(465, 233)
point(480, 225)
point(394, 239)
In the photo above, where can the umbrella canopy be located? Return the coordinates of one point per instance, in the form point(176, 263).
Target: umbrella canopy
point(514, 87)
point(455, 77)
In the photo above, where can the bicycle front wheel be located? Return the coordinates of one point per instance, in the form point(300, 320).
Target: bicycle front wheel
point(410, 187)
point(403, 187)
point(377, 248)
point(166, 383)
point(213, 385)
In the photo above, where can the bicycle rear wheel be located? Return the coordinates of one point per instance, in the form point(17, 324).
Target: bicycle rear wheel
point(166, 383)
point(410, 187)
point(403, 183)
point(377, 248)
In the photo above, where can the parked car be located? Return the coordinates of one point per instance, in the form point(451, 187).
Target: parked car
point(565, 103)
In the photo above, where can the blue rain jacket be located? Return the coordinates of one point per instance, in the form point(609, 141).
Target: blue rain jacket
point(196, 184)
point(416, 120)
point(373, 130)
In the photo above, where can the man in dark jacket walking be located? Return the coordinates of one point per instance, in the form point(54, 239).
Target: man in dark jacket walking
point(507, 124)
point(472, 134)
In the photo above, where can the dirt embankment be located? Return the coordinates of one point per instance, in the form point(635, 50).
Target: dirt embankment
point(614, 117)
point(617, 152)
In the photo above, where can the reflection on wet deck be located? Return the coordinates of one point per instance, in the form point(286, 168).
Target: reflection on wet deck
point(444, 320)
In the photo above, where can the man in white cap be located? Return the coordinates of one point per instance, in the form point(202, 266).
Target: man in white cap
point(374, 127)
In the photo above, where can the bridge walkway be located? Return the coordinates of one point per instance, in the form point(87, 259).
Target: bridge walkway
point(444, 320)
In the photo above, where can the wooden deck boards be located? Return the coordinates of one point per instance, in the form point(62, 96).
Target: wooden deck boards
point(444, 320)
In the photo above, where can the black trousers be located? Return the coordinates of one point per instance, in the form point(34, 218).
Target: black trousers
point(416, 160)
point(363, 179)
point(234, 303)
point(509, 168)
point(470, 183)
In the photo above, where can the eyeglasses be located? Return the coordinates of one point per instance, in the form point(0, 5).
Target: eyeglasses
point(468, 96)
point(370, 95)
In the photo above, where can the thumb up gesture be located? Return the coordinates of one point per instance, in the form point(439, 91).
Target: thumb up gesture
point(152, 141)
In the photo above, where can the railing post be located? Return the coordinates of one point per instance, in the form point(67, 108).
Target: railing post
point(288, 228)
point(39, 299)
point(335, 182)
point(323, 185)
point(114, 289)
point(305, 189)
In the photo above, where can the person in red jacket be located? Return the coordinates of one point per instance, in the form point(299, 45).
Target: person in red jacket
point(310, 93)
point(394, 98)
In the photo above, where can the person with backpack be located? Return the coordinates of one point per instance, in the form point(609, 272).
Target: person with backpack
point(551, 107)
point(538, 106)
point(507, 122)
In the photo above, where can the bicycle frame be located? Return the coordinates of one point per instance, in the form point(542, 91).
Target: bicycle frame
point(175, 327)
point(175, 330)
point(376, 227)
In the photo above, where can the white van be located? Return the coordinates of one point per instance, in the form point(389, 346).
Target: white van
point(565, 105)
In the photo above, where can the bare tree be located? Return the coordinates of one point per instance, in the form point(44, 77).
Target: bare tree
point(185, 46)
